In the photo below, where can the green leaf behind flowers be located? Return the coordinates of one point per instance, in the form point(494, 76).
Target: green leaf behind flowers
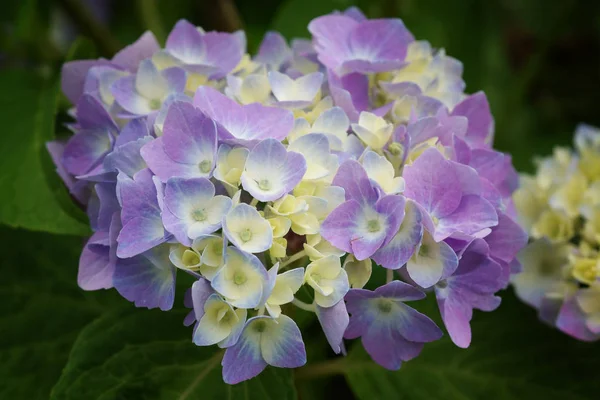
point(513, 356)
point(32, 196)
point(141, 354)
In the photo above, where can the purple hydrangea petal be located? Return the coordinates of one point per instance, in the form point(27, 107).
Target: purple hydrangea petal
point(334, 321)
point(95, 269)
point(389, 349)
point(350, 93)
point(378, 45)
point(391, 207)
point(109, 204)
point(273, 51)
point(246, 123)
point(497, 168)
point(224, 51)
point(391, 331)
point(271, 171)
point(140, 234)
point(572, 321)
point(330, 34)
point(91, 114)
point(200, 292)
point(355, 14)
point(471, 216)
point(400, 291)
point(346, 45)
point(403, 244)
point(163, 166)
point(142, 223)
point(457, 317)
point(472, 285)
point(126, 158)
point(352, 177)
point(414, 326)
point(185, 43)
point(86, 150)
point(281, 343)
point(481, 123)
point(432, 182)
point(78, 189)
point(176, 79)
point(244, 360)
point(338, 226)
point(188, 135)
point(432, 262)
point(148, 279)
point(191, 208)
point(125, 93)
point(73, 76)
point(188, 145)
point(130, 56)
point(506, 239)
point(134, 129)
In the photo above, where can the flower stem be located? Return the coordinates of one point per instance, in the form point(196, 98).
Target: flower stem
point(336, 366)
point(254, 202)
point(293, 258)
point(389, 275)
point(193, 273)
point(304, 306)
point(89, 25)
point(223, 15)
point(150, 15)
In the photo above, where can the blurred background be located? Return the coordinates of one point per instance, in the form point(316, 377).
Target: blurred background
point(537, 60)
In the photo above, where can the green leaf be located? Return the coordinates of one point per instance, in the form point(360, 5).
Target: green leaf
point(82, 49)
point(41, 310)
point(513, 356)
point(141, 354)
point(293, 16)
point(32, 196)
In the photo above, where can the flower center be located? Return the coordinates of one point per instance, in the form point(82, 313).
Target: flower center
point(264, 184)
point(396, 149)
point(442, 284)
point(217, 248)
point(205, 166)
point(385, 306)
point(546, 268)
point(373, 225)
point(260, 326)
point(226, 317)
point(199, 215)
point(316, 278)
point(190, 258)
point(424, 250)
point(239, 278)
point(155, 104)
point(246, 235)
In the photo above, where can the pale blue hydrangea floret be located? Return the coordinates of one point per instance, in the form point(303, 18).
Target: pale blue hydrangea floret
point(288, 179)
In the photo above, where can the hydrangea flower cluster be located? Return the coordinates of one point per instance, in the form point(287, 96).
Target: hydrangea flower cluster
point(312, 166)
point(560, 208)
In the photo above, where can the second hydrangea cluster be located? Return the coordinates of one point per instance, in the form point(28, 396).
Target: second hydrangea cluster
point(560, 207)
point(310, 166)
